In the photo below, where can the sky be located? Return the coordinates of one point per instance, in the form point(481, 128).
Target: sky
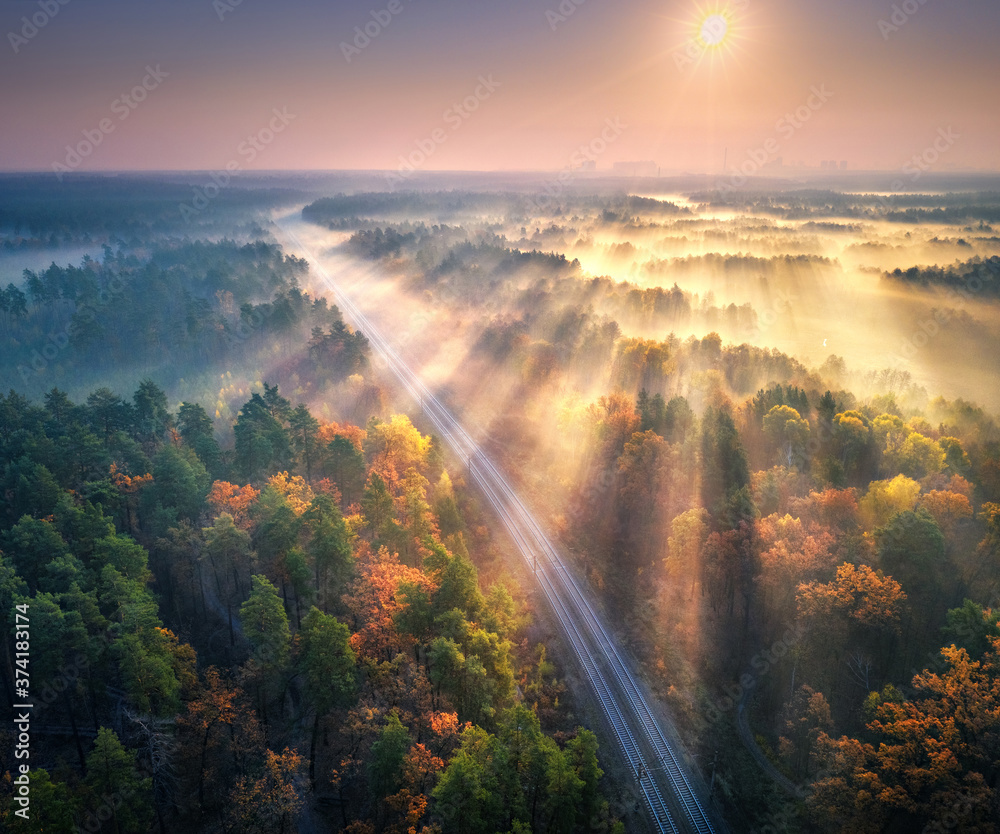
point(499, 85)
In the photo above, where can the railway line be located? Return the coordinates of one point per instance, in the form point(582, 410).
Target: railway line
point(671, 802)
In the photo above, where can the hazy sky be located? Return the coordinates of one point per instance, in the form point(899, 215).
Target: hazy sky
point(635, 70)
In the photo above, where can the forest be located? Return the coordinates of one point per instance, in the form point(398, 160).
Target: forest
point(265, 596)
point(804, 551)
point(453, 417)
point(329, 634)
point(261, 622)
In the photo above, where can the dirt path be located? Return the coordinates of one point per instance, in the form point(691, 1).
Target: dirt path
point(779, 778)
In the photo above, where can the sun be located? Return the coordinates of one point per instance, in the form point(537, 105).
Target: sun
point(715, 34)
point(714, 29)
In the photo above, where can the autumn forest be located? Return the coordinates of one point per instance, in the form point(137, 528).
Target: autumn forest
point(267, 594)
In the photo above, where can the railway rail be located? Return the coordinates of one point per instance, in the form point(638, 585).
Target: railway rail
point(658, 770)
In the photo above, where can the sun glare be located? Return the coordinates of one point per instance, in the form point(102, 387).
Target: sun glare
point(715, 33)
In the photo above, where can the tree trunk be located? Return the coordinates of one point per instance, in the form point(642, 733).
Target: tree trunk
point(159, 816)
point(201, 770)
point(312, 752)
point(236, 581)
point(201, 588)
point(76, 733)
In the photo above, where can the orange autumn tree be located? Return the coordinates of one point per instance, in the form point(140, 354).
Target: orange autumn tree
point(791, 552)
point(219, 735)
point(613, 421)
point(953, 483)
point(643, 500)
point(128, 483)
point(805, 717)
point(859, 593)
point(225, 497)
point(270, 802)
point(446, 728)
point(324, 486)
point(419, 772)
point(947, 508)
point(933, 764)
point(835, 508)
point(329, 431)
point(129, 487)
point(215, 706)
point(183, 660)
point(372, 600)
point(852, 623)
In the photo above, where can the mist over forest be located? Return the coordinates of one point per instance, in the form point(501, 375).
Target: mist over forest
point(266, 593)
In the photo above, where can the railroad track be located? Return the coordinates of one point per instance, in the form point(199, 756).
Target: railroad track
point(642, 740)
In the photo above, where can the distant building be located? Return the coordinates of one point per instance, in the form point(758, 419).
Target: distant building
point(645, 168)
point(843, 165)
point(587, 165)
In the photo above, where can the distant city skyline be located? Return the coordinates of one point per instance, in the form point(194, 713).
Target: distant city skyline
point(688, 86)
